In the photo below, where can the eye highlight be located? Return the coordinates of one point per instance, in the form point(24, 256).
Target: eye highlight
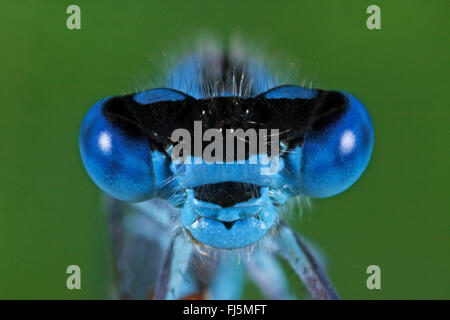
point(334, 157)
point(118, 162)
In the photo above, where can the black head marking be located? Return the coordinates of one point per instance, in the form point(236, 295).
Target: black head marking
point(292, 117)
point(227, 194)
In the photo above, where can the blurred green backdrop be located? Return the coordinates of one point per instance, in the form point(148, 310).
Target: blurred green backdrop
point(396, 216)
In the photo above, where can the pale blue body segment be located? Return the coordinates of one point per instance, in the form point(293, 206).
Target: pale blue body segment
point(131, 167)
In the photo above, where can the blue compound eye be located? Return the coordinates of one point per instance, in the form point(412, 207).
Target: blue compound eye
point(336, 150)
point(290, 92)
point(120, 163)
point(120, 142)
point(158, 95)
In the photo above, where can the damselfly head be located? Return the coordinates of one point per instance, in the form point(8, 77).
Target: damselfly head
point(224, 141)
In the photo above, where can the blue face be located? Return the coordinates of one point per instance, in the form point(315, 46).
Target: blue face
point(325, 138)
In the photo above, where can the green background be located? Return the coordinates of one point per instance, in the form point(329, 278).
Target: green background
point(395, 216)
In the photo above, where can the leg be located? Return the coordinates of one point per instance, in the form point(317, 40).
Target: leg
point(294, 250)
point(228, 281)
point(268, 275)
point(138, 243)
point(174, 268)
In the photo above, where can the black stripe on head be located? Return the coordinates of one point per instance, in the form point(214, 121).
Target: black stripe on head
point(292, 117)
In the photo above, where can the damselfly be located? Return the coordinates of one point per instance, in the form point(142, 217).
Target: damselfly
point(189, 227)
